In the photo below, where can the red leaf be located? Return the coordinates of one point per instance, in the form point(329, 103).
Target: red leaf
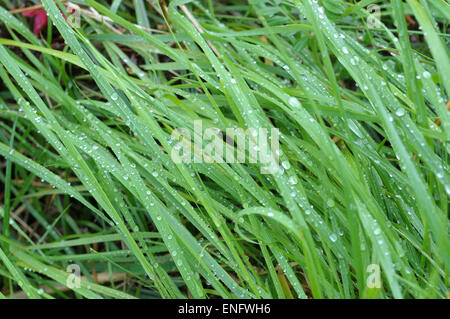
point(40, 21)
point(29, 13)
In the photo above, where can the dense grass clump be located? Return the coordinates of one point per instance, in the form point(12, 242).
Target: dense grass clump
point(89, 108)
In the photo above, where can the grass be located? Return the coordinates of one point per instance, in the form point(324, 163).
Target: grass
point(87, 114)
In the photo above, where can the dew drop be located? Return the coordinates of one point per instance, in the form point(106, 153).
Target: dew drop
point(333, 237)
point(400, 112)
point(330, 203)
point(294, 102)
point(426, 74)
point(285, 164)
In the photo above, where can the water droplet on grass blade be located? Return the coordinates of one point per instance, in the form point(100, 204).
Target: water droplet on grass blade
point(294, 102)
point(400, 112)
point(330, 203)
point(285, 164)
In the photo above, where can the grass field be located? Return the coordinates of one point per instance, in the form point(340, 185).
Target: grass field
point(92, 103)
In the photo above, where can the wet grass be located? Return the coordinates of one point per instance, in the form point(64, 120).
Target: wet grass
point(86, 121)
